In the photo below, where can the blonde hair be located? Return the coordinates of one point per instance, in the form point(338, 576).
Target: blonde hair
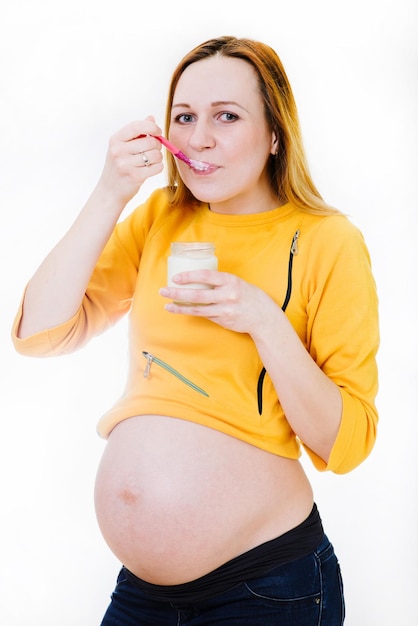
point(288, 170)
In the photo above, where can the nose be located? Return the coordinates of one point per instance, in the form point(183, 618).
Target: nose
point(201, 137)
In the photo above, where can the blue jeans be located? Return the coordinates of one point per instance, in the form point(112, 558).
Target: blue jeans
point(305, 592)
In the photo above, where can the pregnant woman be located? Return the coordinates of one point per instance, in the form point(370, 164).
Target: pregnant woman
point(200, 492)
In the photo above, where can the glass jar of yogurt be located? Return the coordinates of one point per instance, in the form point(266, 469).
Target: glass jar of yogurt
point(190, 256)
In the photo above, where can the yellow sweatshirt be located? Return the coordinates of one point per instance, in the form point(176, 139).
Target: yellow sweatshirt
point(317, 268)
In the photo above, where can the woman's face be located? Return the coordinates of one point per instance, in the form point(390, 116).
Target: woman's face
point(217, 116)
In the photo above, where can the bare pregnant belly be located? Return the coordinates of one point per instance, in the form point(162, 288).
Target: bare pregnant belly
point(174, 500)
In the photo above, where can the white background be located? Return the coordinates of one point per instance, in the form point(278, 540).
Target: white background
point(72, 74)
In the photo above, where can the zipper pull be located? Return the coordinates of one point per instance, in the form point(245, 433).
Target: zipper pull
point(150, 358)
point(294, 247)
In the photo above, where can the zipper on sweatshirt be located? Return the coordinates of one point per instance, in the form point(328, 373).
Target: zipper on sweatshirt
point(151, 358)
point(294, 249)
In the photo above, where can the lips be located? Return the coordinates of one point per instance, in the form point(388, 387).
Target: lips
point(209, 169)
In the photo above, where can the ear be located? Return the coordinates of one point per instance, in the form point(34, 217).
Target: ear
point(274, 148)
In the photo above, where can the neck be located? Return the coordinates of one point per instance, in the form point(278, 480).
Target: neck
point(245, 206)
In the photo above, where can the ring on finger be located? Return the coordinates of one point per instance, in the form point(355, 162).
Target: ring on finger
point(145, 159)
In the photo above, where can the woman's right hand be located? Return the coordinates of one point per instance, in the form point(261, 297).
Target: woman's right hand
point(133, 156)
point(57, 288)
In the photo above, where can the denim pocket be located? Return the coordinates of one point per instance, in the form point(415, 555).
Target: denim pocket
point(296, 582)
point(307, 591)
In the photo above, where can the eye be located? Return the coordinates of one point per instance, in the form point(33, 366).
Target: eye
point(184, 118)
point(227, 116)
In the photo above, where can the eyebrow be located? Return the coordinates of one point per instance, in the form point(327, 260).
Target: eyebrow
point(185, 105)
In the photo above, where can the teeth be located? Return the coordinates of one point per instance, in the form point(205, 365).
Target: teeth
point(200, 165)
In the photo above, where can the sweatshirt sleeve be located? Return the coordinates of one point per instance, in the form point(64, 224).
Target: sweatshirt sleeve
point(108, 297)
point(343, 336)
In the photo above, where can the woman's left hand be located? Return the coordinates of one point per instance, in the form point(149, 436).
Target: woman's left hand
point(228, 301)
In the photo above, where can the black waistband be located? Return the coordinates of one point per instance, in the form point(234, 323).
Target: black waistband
point(290, 546)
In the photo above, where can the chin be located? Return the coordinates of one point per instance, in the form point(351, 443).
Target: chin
point(210, 196)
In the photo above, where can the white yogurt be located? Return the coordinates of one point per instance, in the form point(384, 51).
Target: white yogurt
point(186, 257)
